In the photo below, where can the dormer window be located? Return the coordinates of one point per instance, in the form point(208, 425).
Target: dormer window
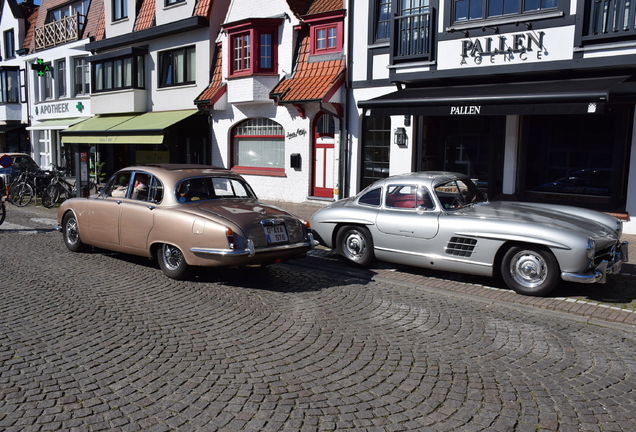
point(253, 46)
point(80, 8)
point(326, 33)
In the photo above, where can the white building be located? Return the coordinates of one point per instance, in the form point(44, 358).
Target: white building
point(276, 98)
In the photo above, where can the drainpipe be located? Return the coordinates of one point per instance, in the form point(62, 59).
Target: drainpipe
point(345, 167)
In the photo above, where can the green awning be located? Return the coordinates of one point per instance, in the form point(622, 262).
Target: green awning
point(57, 123)
point(148, 128)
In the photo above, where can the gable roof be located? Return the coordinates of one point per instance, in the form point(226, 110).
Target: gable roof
point(91, 24)
point(28, 12)
point(147, 8)
point(312, 80)
point(217, 88)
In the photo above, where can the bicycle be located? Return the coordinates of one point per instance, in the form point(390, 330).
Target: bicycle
point(27, 185)
point(57, 188)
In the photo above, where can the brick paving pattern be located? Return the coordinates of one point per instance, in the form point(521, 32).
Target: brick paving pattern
point(103, 341)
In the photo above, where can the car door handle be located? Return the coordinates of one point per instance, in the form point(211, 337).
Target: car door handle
point(118, 201)
point(151, 207)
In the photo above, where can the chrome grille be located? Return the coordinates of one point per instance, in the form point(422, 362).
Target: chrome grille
point(461, 246)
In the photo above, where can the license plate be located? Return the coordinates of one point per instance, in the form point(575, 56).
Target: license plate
point(276, 234)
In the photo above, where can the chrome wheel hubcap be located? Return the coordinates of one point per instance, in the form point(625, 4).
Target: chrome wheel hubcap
point(528, 269)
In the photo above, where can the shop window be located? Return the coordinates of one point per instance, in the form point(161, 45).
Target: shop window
point(254, 47)
point(118, 73)
point(9, 85)
point(9, 44)
point(258, 147)
point(466, 10)
point(177, 67)
point(81, 76)
point(120, 9)
point(573, 159)
point(377, 142)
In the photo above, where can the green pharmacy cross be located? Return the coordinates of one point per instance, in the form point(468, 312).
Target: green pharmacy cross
point(41, 67)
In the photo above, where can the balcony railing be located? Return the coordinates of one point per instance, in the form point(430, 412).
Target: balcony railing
point(58, 32)
point(612, 17)
point(413, 37)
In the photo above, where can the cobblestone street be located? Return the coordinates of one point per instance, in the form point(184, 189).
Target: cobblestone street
point(104, 341)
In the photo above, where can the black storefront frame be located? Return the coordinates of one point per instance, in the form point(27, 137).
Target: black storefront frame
point(585, 97)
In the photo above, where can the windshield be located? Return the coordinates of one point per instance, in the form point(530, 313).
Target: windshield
point(205, 188)
point(456, 194)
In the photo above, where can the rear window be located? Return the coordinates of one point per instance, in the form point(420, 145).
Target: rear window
point(206, 188)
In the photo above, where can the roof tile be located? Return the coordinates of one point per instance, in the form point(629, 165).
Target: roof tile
point(311, 81)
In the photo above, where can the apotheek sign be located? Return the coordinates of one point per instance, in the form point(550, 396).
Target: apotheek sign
point(57, 109)
point(525, 47)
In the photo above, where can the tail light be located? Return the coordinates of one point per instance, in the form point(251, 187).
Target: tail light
point(229, 235)
point(307, 225)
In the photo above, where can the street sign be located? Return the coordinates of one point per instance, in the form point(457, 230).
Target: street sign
point(6, 161)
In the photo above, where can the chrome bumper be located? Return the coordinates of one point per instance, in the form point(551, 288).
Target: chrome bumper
point(251, 251)
point(599, 274)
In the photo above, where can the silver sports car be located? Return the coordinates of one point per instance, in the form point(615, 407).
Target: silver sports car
point(441, 220)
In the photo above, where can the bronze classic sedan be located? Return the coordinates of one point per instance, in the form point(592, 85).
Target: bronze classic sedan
point(441, 220)
point(183, 215)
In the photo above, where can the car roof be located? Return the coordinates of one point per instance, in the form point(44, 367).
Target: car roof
point(428, 176)
point(178, 171)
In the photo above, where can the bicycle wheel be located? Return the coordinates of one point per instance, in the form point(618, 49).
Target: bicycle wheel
point(50, 196)
point(55, 191)
point(21, 195)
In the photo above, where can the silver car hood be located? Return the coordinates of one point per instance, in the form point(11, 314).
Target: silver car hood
point(587, 222)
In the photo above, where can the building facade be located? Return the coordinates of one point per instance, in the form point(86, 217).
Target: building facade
point(533, 99)
point(15, 24)
point(276, 97)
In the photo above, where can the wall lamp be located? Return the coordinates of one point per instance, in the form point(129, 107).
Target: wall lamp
point(400, 136)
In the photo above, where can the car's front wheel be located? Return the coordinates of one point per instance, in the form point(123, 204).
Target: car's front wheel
point(172, 262)
point(355, 244)
point(70, 230)
point(530, 271)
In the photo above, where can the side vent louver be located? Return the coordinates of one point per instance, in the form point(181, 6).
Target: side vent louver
point(461, 246)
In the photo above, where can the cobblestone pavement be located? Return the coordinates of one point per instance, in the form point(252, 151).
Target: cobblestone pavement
point(103, 341)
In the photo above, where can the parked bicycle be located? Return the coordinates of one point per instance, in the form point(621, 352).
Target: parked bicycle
point(59, 188)
point(29, 184)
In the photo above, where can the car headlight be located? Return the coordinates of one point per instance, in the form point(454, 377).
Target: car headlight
point(591, 249)
point(619, 228)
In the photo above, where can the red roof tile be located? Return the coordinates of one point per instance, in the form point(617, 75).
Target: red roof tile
point(30, 25)
point(146, 15)
point(321, 6)
point(101, 27)
point(209, 95)
point(202, 8)
point(311, 81)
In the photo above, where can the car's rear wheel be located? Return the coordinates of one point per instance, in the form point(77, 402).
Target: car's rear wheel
point(530, 271)
point(172, 262)
point(355, 244)
point(70, 230)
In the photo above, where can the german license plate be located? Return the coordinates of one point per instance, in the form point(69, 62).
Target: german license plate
point(276, 234)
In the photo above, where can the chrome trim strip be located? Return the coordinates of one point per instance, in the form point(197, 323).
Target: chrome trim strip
point(250, 251)
point(434, 256)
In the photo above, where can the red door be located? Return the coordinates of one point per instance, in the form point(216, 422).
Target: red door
point(323, 156)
